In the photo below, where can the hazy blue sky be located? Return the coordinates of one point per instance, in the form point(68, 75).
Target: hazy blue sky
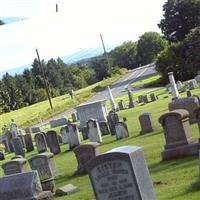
point(75, 27)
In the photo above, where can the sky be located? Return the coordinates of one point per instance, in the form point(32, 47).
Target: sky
point(76, 26)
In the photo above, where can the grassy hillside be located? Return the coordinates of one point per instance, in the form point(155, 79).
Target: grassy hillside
point(34, 113)
point(176, 179)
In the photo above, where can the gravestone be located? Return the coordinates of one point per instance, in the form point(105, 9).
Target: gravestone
point(13, 128)
point(9, 144)
point(73, 135)
point(197, 78)
point(113, 119)
point(190, 104)
point(44, 165)
point(36, 129)
point(74, 117)
point(105, 130)
point(18, 147)
point(58, 122)
point(64, 135)
point(146, 123)
point(60, 139)
point(29, 142)
point(178, 135)
point(2, 156)
point(140, 99)
point(53, 142)
point(192, 84)
point(93, 110)
point(189, 93)
point(28, 130)
point(180, 86)
point(130, 97)
point(145, 99)
point(18, 165)
point(40, 142)
point(121, 173)
point(22, 140)
point(153, 97)
point(121, 130)
point(94, 132)
point(84, 131)
point(22, 186)
point(84, 154)
point(121, 105)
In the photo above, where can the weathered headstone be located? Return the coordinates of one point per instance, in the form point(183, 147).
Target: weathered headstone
point(180, 86)
point(178, 135)
point(9, 144)
point(74, 117)
point(146, 123)
point(131, 101)
point(22, 186)
point(53, 142)
point(66, 190)
point(73, 135)
point(189, 93)
point(18, 147)
point(197, 78)
point(35, 129)
point(113, 119)
point(17, 165)
point(121, 105)
point(121, 130)
point(44, 165)
point(58, 122)
point(64, 135)
point(29, 142)
point(140, 99)
point(84, 131)
point(121, 173)
point(153, 97)
point(174, 90)
point(22, 140)
point(2, 156)
point(104, 127)
point(27, 130)
point(84, 154)
point(192, 84)
point(13, 128)
point(40, 142)
point(145, 99)
point(94, 132)
point(190, 104)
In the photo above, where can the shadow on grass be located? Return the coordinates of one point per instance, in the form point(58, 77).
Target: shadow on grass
point(145, 135)
point(174, 165)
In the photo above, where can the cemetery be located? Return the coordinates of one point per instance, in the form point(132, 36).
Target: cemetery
point(146, 151)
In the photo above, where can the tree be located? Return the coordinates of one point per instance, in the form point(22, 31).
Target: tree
point(192, 50)
point(149, 45)
point(180, 16)
point(171, 59)
point(125, 55)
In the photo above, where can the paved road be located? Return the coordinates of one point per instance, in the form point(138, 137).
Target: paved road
point(118, 88)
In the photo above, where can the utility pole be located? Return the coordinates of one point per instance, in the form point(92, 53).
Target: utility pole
point(104, 49)
point(56, 7)
point(45, 81)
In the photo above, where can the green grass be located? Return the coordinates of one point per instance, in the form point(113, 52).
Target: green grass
point(40, 111)
point(177, 179)
point(148, 81)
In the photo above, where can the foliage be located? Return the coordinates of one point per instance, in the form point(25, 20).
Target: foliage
point(192, 50)
point(148, 46)
point(180, 16)
point(125, 55)
point(171, 60)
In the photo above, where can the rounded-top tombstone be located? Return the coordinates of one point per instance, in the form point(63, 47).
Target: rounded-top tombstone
point(41, 143)
point(146, 123)
point(53, 142)
point(121, 173)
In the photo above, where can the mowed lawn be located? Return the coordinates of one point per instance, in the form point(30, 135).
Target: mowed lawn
point(175, 179)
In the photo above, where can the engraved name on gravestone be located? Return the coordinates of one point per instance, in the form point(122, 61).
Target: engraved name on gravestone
point(23, 186)
point(122, 174)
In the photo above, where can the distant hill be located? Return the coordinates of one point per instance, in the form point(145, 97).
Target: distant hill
point(72, 58)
